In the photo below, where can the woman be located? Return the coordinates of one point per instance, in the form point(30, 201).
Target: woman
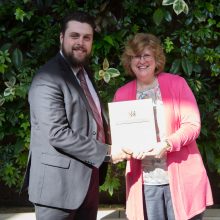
point(170, 181)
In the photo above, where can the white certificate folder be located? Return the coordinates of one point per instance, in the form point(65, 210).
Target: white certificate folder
point(132, 124)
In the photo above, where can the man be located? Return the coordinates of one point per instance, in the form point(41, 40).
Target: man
point(67, 130)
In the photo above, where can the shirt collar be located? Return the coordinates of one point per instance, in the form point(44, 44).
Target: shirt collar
point(75, 70)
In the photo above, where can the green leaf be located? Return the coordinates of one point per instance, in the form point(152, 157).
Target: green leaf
point(9, 91)
point(3, 67)
point(103, 6)
point(29, 15)
point(101, 73)
point(107, 77)
point(22, 160)
point(9, 169)
point(187, 66)
point(204, 131)
point(197, 68)
point(135, 28)
point(11, 82)
point(113, 72)
point(168, 2)
point(109, 39)
point(97, 77)
point(6, 46)
point(179, 6)
point(105, 64)
point(25, 125)
point(2, 100)
point(2, 120)
point(189, 21)
point(19, 14)
point(4, 57)
point(186, 9)
point(200, 51)
point(167, 16)
point(168, 44)
point(175, 66)
point(17, 57)
point(158, 16)
point(210, 7)
point(198, 85)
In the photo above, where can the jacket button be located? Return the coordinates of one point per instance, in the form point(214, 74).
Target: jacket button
point(94, 133)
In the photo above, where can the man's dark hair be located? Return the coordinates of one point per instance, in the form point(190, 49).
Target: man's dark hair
point(79, 16)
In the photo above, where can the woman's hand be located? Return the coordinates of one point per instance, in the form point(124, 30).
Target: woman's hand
point(158, 151)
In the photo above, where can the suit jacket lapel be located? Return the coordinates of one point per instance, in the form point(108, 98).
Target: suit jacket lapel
point(70, 77)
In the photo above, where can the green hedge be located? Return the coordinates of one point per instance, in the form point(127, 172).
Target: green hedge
point(29, 36)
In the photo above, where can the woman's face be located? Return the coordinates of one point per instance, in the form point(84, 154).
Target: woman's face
point(144, 66)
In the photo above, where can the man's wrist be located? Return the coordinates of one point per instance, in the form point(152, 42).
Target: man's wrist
point(109, 150)
point(108, 157)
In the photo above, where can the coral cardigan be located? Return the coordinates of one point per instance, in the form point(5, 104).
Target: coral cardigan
point(189, 184)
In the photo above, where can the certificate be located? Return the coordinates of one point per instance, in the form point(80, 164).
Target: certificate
point(132, 124)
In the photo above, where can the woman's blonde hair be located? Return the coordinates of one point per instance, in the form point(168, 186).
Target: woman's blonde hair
point(137, 44)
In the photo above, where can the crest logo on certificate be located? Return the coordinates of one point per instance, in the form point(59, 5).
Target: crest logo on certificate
point(132, 124)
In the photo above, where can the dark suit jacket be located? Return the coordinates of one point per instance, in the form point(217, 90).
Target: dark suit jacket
point(63, 148)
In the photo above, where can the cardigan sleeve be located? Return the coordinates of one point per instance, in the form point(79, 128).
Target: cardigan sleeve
point(188, 119)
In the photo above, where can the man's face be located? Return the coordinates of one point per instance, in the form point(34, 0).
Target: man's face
point(76, 42)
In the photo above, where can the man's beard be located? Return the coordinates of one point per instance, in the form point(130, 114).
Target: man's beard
point(73, 61)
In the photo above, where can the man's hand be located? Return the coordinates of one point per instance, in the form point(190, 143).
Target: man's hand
point(138, 154)
point(118, 155)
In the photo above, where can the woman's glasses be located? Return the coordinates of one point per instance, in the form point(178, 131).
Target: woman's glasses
point(145, 57)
